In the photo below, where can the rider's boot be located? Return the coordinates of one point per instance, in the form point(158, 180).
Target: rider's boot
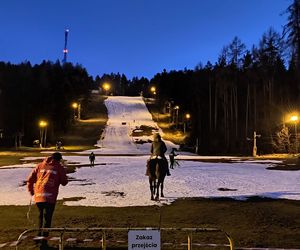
point(168, 172)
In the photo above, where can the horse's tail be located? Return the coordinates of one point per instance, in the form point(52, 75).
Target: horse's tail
point(157, 170)
point(153, 169)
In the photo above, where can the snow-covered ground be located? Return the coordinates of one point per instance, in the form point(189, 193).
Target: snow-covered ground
point(119, 180)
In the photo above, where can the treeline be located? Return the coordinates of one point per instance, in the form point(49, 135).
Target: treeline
point(247, 90)
point(30, 93)
point(120, 85)
point(229, 101)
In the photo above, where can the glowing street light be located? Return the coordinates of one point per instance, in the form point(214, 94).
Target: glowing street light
point(294, 119)
point(176, 108)
point(75, 107)
point(153, 90)
point(43, 132)
point(185, 124)
point(106, 87)
point(43, 124)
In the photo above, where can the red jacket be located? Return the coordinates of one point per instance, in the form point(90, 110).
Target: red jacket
point(45, 179)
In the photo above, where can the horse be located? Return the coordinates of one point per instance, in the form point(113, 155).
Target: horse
point(157, 171)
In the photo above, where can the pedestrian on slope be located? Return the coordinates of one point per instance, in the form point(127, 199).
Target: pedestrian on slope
point(172, 158)
point(92, 159)
point(43, 183)
point(158, 150)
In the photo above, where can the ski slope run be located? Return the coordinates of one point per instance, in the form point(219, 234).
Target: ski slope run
point(124, 115)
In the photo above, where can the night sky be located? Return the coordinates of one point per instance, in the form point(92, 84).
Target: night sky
point(134, 37)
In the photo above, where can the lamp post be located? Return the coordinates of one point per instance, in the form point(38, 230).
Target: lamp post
point(294, 119)
point(176, 108)
point(106, 87)
point(79, 111)
point(153, 91)
point(43, 132)
point(186, 122)
point(75, 107)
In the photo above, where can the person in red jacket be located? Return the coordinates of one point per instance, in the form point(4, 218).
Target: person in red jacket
point(43, 183)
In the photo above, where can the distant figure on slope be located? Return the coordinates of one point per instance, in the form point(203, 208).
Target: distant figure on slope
point(43, 183)
point(58, 145)
point(158, 150)
point(172, 158)
point(92, 159)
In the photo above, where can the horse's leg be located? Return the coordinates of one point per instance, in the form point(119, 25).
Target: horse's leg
point(162, 188)
point(151, 188)
point(157, 190)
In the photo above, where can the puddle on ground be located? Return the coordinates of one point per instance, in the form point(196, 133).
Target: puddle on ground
point(82, 182)
point(227, 189)
point(114, 193)
point(73, 199)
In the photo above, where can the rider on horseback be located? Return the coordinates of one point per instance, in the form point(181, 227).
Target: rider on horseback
point(158, 149)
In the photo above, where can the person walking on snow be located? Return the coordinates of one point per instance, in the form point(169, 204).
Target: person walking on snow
point(172, 158)
point(92, 159)
point(43, 183)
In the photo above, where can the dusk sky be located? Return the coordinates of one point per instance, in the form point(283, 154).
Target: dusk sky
point(134, 37)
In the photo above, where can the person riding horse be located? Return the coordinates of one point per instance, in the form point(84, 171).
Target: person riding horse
point(157, 167)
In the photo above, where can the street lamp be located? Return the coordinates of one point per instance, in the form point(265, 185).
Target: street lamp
point(153, 90)
point(75, 107)
point(294, 119)
point(106, 87)
point(43, 132)
point(186, 122)
point(176, 108)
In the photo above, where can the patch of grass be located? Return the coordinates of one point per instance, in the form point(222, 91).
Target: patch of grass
point(289, 163)
point(257, 222)
point(143, 130)
point(285, 167)
point(73, 199)
point(9, 157)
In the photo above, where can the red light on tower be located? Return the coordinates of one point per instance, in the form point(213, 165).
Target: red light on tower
point(65, 51)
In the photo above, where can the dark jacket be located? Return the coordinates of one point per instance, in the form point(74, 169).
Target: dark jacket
point(158, 148)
